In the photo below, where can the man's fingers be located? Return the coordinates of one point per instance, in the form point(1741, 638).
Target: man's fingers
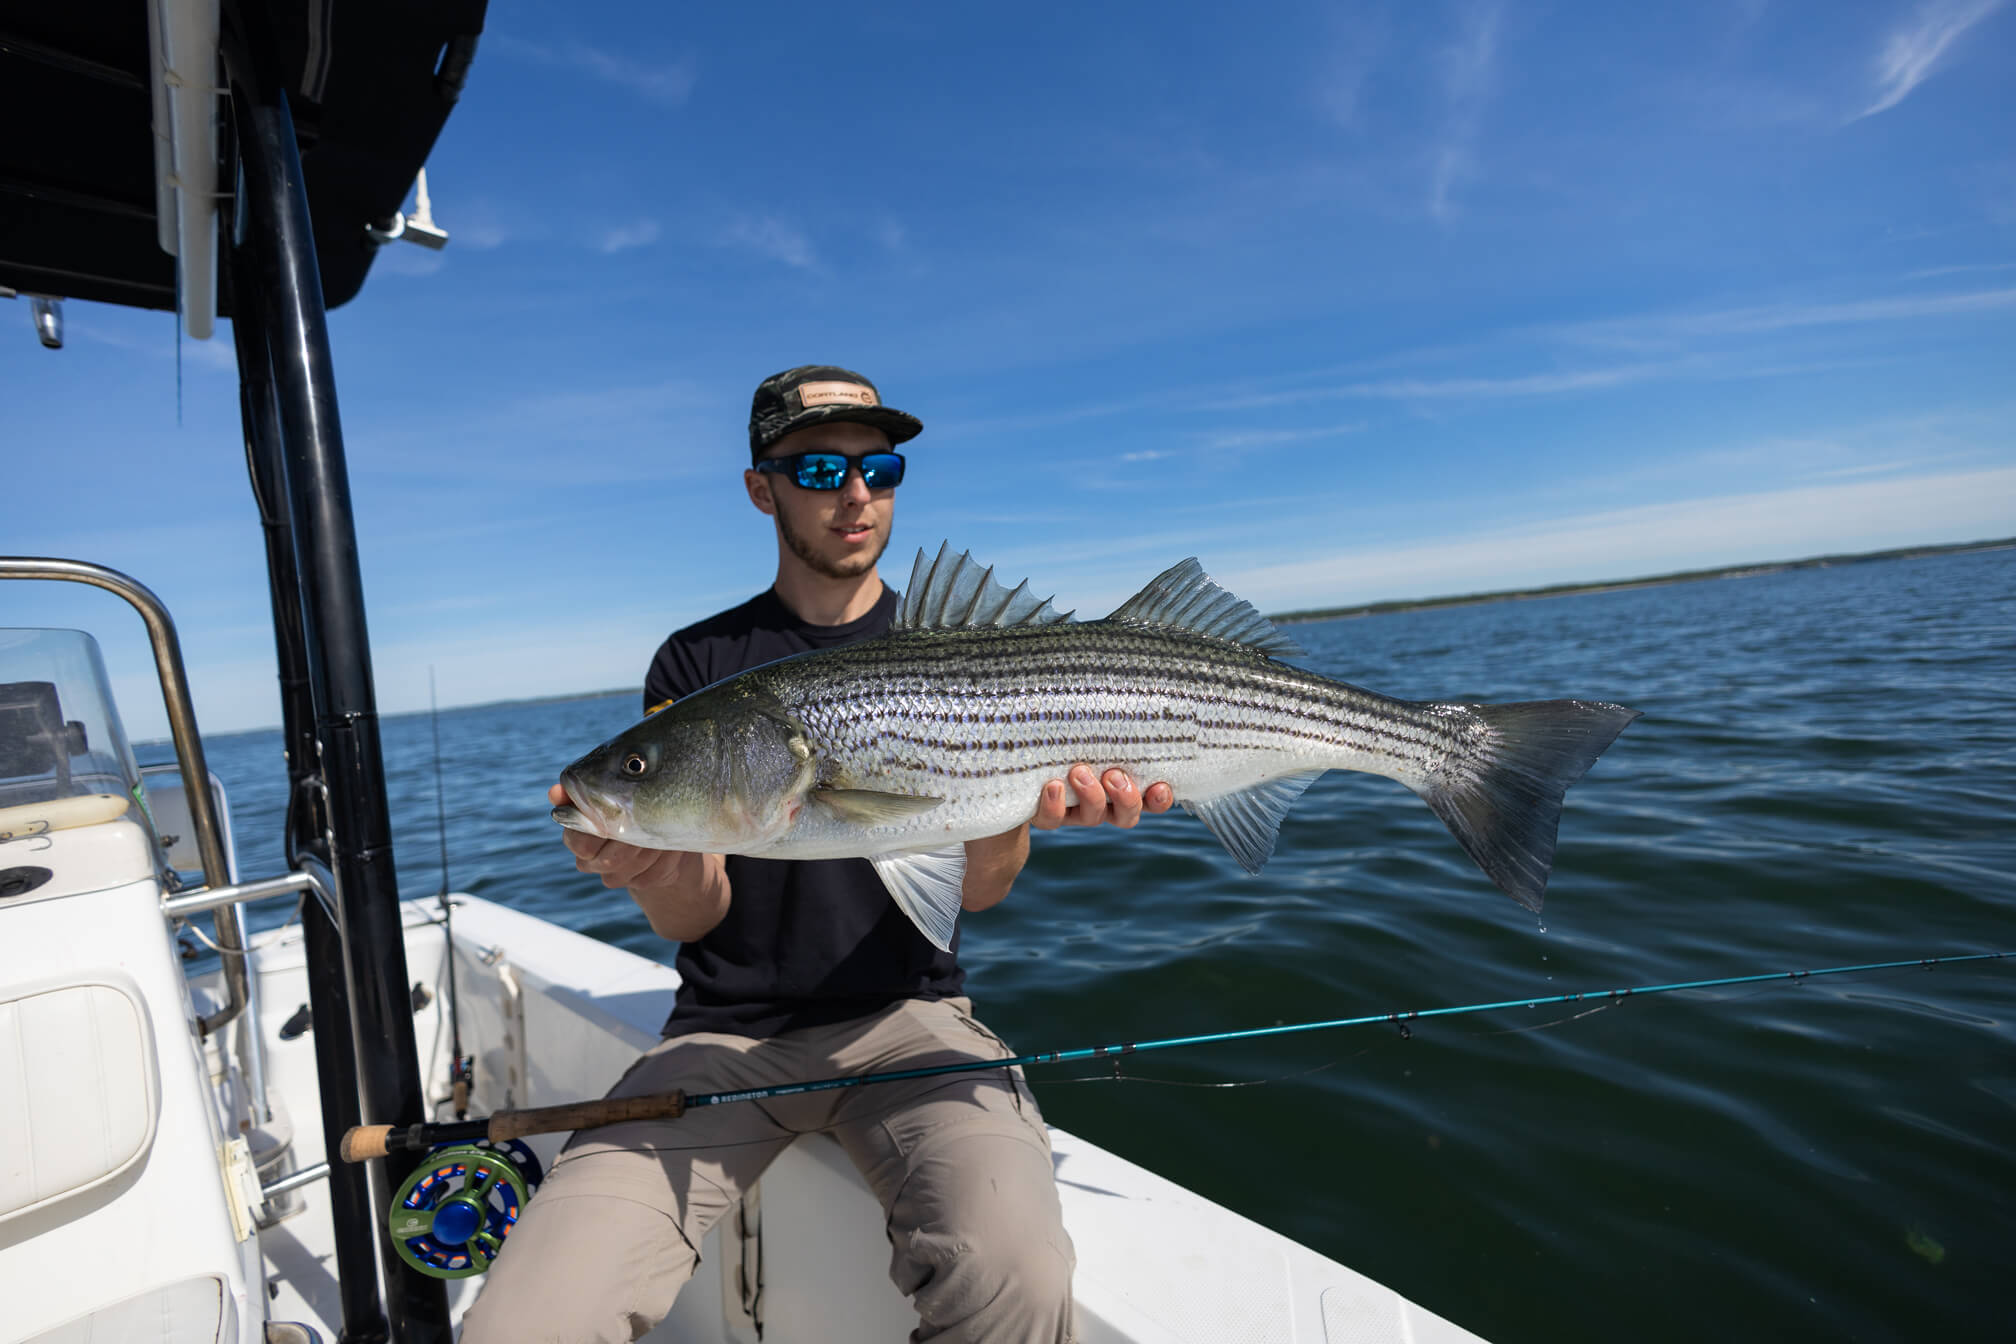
point(617, 863)
point(556, 795)
point(660, 868)
point(1049, 807)
point(1123, 798)
point(1091, 809)
point(1117, 798)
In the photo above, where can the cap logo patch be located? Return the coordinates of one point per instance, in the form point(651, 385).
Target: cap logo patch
point(836, 394)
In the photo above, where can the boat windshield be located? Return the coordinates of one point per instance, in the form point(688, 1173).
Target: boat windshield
point(59, 733)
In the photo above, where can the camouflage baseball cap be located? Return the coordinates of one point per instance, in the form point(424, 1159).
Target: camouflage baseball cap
point(813, 394)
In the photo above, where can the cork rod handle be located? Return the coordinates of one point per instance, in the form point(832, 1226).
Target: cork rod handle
point(368, 1141)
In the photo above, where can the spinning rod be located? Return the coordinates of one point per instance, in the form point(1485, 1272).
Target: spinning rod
point(369, 1141)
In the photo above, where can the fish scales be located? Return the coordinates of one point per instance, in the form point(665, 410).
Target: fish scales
point(1006, 707)
point(945, 730)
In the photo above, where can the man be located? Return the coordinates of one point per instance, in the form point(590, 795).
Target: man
point(795, 970)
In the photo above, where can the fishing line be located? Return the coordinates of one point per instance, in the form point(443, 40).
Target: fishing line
point(1118, 1076)
point(1555, 1022)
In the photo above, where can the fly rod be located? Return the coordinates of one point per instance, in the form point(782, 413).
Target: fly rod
point(368, 1141)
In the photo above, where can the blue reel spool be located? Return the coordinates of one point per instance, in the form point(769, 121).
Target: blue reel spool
point(450, 1217)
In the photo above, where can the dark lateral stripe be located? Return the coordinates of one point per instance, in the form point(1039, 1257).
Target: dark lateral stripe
point(972, 685)
point(1252, 708)
point(1165, 675)
point(1107, 739)
point(1346, 722)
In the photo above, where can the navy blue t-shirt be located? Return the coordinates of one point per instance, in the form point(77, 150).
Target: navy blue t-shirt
point(805, 942)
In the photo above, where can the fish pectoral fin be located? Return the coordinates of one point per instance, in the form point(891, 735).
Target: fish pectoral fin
point(870, 808)
point(1247, 822)
point(926, 885)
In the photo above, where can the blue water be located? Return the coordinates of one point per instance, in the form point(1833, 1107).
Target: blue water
point(1823, 776)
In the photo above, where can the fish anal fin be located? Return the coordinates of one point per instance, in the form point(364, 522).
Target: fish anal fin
point(927, 886)
point(1248, 822)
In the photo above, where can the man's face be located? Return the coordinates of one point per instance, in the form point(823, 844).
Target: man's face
point(838, 533)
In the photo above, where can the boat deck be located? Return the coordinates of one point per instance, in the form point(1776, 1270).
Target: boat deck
point(553, 1016)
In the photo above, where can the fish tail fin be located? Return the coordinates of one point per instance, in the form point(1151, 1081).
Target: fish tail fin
point(1502, 801)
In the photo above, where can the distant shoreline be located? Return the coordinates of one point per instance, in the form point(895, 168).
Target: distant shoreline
point(1649, 581)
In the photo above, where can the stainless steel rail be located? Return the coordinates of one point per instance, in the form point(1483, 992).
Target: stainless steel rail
point(229, 901)
point(188, 748)
point(216, 898)
point(294, 1180)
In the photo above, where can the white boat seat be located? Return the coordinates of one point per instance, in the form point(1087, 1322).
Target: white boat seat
point(79, 1088)
point(192, 1311)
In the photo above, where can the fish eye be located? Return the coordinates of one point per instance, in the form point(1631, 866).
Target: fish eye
point(635, 766)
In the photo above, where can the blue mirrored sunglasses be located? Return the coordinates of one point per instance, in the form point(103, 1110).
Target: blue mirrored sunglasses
point(828, 471)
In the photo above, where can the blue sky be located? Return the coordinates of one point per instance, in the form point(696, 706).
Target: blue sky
point(1352, 301)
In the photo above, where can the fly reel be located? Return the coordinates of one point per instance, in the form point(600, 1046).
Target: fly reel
point(450, 1217)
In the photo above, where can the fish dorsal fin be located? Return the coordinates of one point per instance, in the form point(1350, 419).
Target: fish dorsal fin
point(951, 592)
point(1248, 822)
point(1184, 596)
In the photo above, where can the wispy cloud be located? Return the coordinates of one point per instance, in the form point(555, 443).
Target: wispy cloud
point(1911, 52)
point(891, 234)
point(1467, 389)
point(1883, 468)
point(623, 237)
point(406, 260)
point(1468, 69)
point(483, 236)
point(1658, 538)
point(1665, 329)
point(603, 432)
point(769, 236)
point(668, 83)
point(1356, 43)
point(1272, 438)
point(1934, 272)
point(216, 355)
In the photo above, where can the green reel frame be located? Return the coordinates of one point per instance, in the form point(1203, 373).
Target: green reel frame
point(450, 1217)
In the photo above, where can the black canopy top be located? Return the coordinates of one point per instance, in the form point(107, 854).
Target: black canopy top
point(370, 84)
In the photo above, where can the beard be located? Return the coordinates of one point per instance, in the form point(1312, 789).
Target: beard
point(853, 567)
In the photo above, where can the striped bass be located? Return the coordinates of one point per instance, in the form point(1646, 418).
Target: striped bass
point(944, 730)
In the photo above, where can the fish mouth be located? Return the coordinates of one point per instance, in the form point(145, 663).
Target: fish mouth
point(588, 809)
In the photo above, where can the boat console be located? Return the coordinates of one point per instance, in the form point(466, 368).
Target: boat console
point(128, 1189)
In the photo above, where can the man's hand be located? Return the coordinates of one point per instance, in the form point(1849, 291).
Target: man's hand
point(992, 863)
point(1112, 799)
point(617, 864)
point(683, 895)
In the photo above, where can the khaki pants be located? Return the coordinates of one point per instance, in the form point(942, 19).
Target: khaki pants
point(961, 1165)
